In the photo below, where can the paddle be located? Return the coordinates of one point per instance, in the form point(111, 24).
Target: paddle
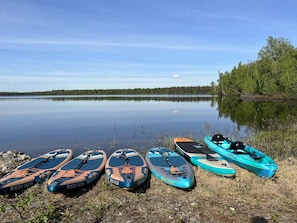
point(123, 155)
point(84, 161)
point(127, 169)
point(252, 155)
point(197, 147)
point(208, 156)
point(173, 169)
point(236, 146)
point(45, 160)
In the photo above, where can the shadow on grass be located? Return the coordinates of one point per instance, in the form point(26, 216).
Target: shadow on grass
point(258, 219)
point(143, 187)
point(77, 192)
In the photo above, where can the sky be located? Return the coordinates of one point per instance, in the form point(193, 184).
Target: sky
point(111, 44)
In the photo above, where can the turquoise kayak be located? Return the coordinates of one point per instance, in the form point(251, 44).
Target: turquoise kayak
point(242, 155)
point(170, 167)
point(203, 157)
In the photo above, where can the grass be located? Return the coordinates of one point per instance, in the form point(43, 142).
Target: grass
point(279, 140)
point(213, 199)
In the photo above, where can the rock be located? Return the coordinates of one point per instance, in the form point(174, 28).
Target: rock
point(194, 204)
point(11, 159)
point(232, 209)
point(24, 157)
point(3, 169)
point(8, 155)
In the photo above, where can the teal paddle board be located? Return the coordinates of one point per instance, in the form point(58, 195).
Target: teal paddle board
point(170, 167)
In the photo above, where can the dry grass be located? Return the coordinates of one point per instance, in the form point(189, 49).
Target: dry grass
point(278, 140)
point(245, 198)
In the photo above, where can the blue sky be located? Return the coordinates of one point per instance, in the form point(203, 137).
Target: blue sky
point(103, 44)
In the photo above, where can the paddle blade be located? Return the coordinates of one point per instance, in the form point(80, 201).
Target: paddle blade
point(175, 171)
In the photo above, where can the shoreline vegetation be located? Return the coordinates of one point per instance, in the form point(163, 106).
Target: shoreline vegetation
point(245, 198)
point(195, 90)
point(179, 92)
point(271, 76)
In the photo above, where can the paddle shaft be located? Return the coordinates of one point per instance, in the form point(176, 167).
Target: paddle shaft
point(85, 160)
point(200, 150)
point(207, 154)
point(44, 161)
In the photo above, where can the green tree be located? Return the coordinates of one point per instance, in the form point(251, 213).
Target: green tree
point(274, 57)
point(275, 49)
point(274, 73)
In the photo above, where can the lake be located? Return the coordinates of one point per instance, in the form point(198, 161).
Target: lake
point(37, 124)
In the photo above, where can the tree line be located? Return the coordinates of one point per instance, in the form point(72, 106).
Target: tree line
point(273, 74)
point(195, 90)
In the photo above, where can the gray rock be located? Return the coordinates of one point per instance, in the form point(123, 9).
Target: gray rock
point(11, 159)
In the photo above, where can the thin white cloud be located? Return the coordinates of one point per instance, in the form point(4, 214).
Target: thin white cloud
point(152, 45)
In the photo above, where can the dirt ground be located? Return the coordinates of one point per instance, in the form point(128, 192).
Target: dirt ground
point(245, 198)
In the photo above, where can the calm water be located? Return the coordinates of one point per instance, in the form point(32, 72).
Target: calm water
point(35, 125)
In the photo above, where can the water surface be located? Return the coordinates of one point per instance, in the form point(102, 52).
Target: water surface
point(35, 125)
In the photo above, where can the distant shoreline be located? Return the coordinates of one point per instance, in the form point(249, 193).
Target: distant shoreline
point(117, 95)
point(194, 90)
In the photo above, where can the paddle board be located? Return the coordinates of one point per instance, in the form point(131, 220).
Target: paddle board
point(126, 168)
point(201, 156)
point(170, 167)
point(80, 171)
point(34, 171)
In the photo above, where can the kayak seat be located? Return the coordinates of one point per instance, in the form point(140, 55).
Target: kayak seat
point(218, 138)
point(237, 145)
